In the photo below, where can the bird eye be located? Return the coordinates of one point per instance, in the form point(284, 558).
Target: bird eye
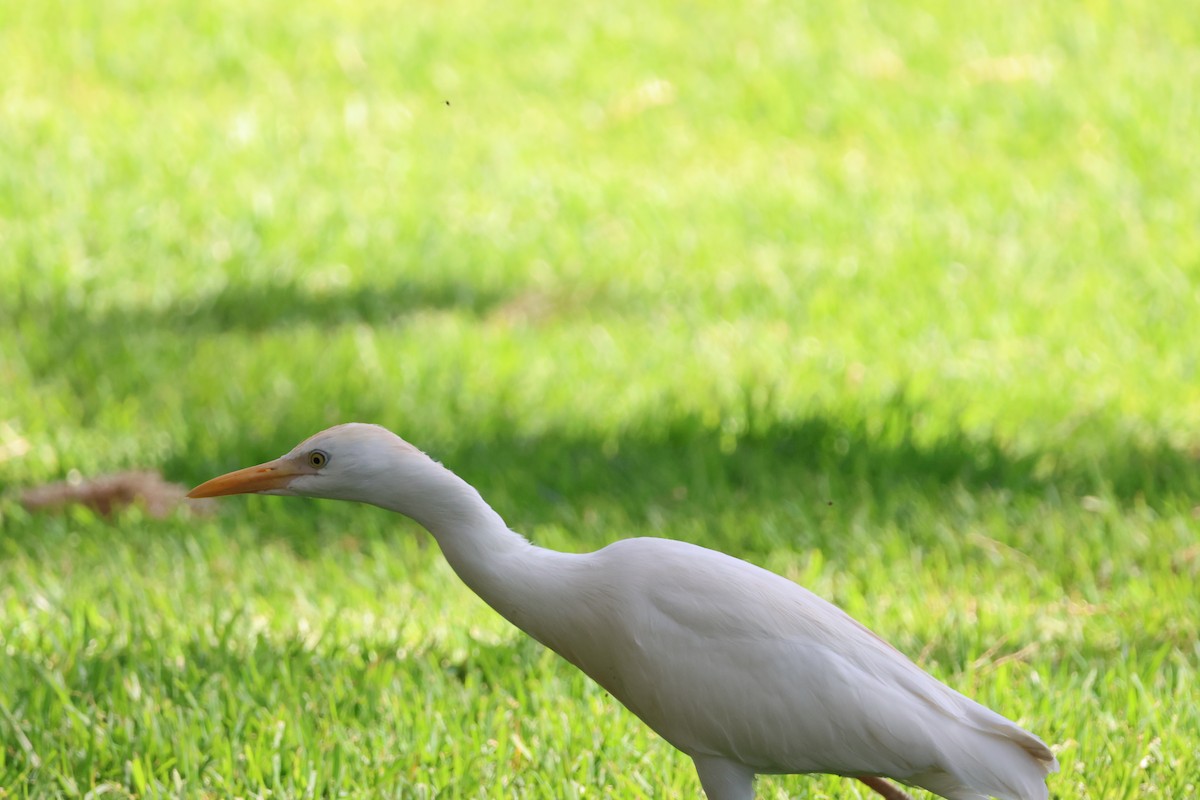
point(317, 459)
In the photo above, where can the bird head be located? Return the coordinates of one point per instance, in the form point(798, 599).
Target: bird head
point(354, 461)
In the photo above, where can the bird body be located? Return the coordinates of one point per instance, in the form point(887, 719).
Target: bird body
point(741, 669)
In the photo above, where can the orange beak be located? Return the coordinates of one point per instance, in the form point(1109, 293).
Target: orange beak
point(275, 474)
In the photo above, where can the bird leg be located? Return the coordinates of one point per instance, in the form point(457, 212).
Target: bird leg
point(884, 788)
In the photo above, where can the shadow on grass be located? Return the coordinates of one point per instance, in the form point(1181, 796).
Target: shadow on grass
point(811, 468)
point(79, 344)
point(783, 481)
point(262, 306)
point(872, 460)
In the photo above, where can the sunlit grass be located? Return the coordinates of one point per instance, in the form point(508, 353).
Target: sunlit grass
point(899, 302)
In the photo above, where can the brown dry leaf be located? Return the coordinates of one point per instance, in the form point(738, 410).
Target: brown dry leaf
point(107, 494)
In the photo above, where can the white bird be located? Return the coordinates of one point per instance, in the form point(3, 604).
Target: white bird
point(739, 668)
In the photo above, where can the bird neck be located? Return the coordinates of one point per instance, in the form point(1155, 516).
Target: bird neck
point(495, 562)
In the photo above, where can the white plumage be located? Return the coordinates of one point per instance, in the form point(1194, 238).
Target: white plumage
point(739, 668)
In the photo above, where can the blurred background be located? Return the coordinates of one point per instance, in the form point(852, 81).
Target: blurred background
point(897, 299)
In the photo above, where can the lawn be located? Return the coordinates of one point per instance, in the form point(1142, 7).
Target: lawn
point(899, 300)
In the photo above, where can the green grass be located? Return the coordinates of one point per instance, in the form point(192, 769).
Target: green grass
point(899, 300)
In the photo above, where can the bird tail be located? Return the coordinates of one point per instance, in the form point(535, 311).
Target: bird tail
point(993, 758)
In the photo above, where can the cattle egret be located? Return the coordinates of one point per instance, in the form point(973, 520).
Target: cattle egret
point(740, 668)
